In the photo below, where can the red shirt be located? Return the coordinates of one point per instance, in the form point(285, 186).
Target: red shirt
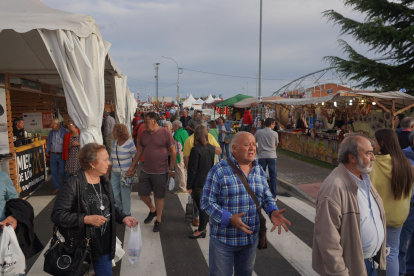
point(167, 115)
point(247, 118)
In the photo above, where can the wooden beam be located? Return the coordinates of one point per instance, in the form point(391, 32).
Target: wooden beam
point(393, 114)
point(404, 109)
point(379, 104)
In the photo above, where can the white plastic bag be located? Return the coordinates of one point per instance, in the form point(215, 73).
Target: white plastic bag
point(12, 261)
point(134, 244)
point(172, 184)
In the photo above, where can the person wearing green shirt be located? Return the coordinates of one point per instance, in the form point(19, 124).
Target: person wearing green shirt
point(213, 129)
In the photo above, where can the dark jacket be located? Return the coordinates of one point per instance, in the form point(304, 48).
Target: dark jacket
point(403, 139)
point(22, 211)
point(200, 162)
point(70, 220)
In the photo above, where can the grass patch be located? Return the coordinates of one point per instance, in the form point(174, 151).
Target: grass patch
point(306, 159)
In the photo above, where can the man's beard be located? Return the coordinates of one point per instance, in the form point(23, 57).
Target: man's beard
point(362, 168)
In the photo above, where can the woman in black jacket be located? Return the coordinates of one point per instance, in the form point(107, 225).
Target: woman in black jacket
point(200, 162)
point(90, 190)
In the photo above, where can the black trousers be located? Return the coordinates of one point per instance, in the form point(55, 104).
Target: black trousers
point(203, 216)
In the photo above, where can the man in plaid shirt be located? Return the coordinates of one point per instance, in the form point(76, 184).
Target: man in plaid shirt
point(234, 220)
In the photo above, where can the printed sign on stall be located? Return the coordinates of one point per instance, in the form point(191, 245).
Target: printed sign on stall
point(33, 121)
point(32, 171)
point(47, 119)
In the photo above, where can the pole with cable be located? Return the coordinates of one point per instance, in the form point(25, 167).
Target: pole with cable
point(260, 66)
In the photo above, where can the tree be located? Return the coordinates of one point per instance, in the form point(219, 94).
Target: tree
point(388, 30)
point(213, 96)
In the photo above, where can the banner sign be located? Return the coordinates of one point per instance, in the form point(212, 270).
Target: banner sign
point(32, 171)
point(47, 119)
point(4, 134)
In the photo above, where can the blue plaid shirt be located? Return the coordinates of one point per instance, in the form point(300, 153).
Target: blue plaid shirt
point(224, 194)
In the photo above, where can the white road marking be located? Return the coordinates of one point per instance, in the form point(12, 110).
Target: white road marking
point(299, 206)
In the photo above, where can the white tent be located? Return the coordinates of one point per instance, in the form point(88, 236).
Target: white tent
point(189, 102)
point(199, 102)
point(63, 49)
point(210, 99)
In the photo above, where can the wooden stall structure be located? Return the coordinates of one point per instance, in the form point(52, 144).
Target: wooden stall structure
point(25, 97)
point(362, 112)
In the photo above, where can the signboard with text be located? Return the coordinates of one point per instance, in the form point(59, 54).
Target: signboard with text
point(32, 171)
point(33, 121)
point(47, 119)
point(4, 135)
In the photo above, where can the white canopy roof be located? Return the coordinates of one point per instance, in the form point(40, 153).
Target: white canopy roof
point(25, 15)
point(190, 99)
point(199, 101)
point(402, 100)
point(209, 99)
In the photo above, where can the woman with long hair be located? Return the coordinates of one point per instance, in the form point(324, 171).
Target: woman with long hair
point(392, 176)
point(397, 120)
point(70, 149)
point(224, 133)
point(200, 163)
point(213, 129)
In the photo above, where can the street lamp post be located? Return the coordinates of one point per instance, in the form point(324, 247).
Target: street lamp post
point(178, 77)
point(156, 66)
point(260, 61)
point(256, 83)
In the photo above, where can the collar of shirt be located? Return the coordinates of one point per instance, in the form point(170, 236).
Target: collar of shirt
point(364, 184)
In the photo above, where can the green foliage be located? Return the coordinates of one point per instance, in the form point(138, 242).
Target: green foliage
point(388, 30)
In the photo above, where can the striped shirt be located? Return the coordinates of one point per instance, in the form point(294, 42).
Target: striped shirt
point(125, 153)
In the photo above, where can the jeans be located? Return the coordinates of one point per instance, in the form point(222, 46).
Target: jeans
point(393, 242)
point(222, 146)
point(104, 266)
point(271, 164)
point(369, 264)
point(224, 257)
point(57, 164)
point(203, 215)
point(406, 256)
point(125, 193)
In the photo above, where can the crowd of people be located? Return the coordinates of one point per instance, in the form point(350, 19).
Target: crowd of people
point(364, 209)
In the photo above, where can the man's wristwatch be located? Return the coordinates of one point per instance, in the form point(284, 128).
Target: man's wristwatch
point(172, 170)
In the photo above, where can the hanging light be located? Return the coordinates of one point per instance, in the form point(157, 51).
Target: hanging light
point(323, 103)
point(335, 104)
point(350, 102)
point(362, 101)
point(374, 103)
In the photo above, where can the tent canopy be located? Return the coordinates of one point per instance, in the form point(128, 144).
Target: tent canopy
point(23, 16)
point(210, 99)
point(253, 102)
point(402, 100)
point(231, 101)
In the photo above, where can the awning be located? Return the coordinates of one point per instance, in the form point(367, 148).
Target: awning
point(253, 102)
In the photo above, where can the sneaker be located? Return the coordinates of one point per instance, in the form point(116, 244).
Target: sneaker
point(156, 226)
point(150, 217)
point(179, 191)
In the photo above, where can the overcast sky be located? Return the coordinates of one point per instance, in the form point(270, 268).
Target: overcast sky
point(217, 36)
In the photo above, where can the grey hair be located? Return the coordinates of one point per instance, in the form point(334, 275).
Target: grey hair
point(200, 122)
point(349, 146)
point(407, 122)
point(56, 120)
point(177, 123)
point(168, 123)
point(411, 138)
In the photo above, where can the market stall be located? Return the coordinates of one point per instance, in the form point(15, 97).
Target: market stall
point(226, 108)
point(317, 126)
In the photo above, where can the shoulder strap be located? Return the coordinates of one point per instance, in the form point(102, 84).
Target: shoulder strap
point(246, 185)
point(117, 158)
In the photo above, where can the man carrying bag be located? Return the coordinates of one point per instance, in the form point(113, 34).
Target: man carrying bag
point(235, 234)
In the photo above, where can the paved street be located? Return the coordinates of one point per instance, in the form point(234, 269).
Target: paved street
point(170, 252)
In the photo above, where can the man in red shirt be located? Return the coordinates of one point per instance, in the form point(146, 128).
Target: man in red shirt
point(247, 120)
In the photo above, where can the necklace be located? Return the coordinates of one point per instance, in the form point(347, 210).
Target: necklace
point(100, 189)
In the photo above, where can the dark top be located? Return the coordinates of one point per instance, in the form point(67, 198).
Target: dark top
point(103, 232)
point(200, 162)
point(184, 121)
point(403, 139)
point(18, 133)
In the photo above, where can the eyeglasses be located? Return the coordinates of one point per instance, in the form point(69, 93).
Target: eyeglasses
point(70, 124)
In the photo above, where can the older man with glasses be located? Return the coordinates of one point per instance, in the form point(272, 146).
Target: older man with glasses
point(55, 146)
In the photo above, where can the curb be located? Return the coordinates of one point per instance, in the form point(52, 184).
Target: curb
point(292, 188)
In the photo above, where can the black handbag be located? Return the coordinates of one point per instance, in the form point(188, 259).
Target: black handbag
point(65, 258)
point(189, 210)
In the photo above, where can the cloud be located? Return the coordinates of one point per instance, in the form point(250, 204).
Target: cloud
point(215, 36)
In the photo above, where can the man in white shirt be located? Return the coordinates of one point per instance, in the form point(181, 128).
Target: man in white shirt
point(267, 140)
